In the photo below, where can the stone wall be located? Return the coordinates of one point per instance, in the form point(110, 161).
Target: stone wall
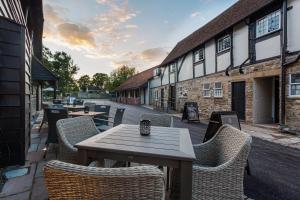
point(292, 103)
point(193, 89)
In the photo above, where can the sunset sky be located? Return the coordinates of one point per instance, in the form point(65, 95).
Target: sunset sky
point(101, 35)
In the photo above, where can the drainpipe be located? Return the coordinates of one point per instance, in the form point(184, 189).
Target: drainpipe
point(283, 59)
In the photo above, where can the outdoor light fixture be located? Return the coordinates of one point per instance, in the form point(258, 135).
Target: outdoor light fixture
point(145, 127)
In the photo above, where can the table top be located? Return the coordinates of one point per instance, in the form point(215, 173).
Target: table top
point(90, 113)
point(74, 107)
point(163, 142)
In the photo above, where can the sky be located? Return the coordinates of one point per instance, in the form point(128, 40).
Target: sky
point(102, 35)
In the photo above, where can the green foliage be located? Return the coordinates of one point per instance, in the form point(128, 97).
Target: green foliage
point(62, 65)
point(100, 80)
point(84, 82)
point(118, 76)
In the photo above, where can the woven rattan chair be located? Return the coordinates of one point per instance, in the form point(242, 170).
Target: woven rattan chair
point(104, 118)
point(218, 172)
point(158, 119)
point(117, 120)
point(70, 132)
point(72, 182)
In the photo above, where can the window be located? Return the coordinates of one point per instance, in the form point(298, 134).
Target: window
point(268, 24)
point(218, 90)
point(172, 67)
point(199, 55)
point(206, 90)
point(295, 85)
point(224, 43)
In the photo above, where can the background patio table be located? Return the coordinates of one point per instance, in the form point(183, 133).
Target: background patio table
point(165, 146)
point(74, 108)
point(82, 113)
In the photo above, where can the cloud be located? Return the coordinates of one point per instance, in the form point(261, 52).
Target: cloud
point(144, 59)
point(131, 26)
point(76, 34)
point(195, 14)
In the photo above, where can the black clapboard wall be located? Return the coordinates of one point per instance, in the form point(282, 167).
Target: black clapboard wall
point(15, 78)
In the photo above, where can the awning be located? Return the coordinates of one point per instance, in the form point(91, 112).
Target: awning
point(40, 73)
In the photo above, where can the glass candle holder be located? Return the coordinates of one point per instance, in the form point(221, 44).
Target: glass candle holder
point(86, 109)
point(145, 127)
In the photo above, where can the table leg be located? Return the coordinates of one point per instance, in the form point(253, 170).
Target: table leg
point(185, 180)
point(82, 157)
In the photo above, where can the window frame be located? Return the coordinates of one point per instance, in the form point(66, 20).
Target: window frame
point(267, 18)
point(223, 38)
point(203, 55)
point(219, 89)
point(171, 67)
point(290, 85)
point(205, 90)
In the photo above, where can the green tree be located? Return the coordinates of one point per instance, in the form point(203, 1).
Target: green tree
point(84, 82)
point(118, 76)
point(100, 80)
point(62, 65)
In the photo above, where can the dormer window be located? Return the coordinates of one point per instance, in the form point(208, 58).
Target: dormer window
point(224, 43)
point(268, 24)
point(172, 67)
point(199, 55)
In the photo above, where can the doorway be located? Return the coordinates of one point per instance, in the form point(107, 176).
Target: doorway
point(239, 99)
point(172, 97)
point(266, 100)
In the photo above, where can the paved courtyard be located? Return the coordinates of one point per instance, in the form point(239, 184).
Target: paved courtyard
point(274, 164)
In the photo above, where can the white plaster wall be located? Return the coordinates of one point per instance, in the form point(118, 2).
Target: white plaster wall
point(165, 72)
point(155, 82)
point(210, 52)
point(142, 96)
point(199, 70)
point(172, 77)
point(187, 68)
point(223, 61)
point(268, 48)
point(240, 43)
point(147, 96)
point(293, 26)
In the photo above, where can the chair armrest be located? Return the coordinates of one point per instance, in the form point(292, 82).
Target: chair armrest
point(206, 153)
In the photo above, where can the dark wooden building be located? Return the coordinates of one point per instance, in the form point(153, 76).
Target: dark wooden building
point(21, 30)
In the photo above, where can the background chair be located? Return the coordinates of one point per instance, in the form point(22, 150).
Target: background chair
point(158, 119)
point(53, 116)
point(69, 181)
point(117, 120)
point(105, 109)
point(78, 102)
point(57, 101)
point(218, 171)
point(70, 132)
point(90, 105)
point(45, 119)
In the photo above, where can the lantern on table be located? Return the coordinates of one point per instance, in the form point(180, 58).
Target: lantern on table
point(145, 127)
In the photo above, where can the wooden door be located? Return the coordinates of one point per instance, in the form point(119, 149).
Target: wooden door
point(239, 99)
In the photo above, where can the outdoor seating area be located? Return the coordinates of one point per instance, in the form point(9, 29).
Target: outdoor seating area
point(92, 162)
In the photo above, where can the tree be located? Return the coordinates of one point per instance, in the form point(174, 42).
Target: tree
point(62, 65)
point(100, 80)
point(118, 76)
point(84, 82)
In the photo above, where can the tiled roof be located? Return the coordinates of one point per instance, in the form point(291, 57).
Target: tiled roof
point(138, 80)
point(236, 13)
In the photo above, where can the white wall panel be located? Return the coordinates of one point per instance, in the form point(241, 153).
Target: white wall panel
point(187, 68)
point(240, 43)
point(165, 73)
point(210, 52)
point(223, 61)
point(155, 82)
point(199, 70)
point(293, 26)
point(268, 48)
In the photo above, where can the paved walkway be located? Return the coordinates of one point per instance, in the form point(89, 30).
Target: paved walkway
point(274, 161)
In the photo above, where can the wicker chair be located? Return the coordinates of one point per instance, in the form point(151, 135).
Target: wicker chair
point(117, 120)
point(158, 119)
point(218, 172)
point(90, 105)
point(69, 181)
point(70, 132)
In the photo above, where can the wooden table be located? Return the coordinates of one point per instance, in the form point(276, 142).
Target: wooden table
point(74, 108)
point(170, 147)
point(82, 113)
